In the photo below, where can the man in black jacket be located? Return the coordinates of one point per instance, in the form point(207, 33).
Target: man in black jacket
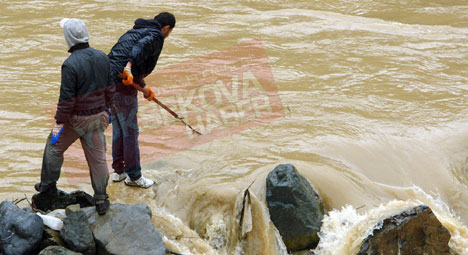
point(85, 95)
point(135, 54)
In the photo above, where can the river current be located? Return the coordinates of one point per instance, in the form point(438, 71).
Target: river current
point(368, 99)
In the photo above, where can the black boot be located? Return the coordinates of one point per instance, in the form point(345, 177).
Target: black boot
point(46, 199)
point(50, 189)
point(102, 206)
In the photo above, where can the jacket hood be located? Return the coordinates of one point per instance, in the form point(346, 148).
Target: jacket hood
point(75, 32)
point(147, 23)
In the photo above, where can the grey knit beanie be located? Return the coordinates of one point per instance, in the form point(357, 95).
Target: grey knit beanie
point(75, 31)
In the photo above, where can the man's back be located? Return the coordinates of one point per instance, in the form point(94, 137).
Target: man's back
point(91, 70)
point(85, 86)
point(141, 45)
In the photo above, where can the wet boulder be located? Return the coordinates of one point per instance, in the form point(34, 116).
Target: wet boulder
point(295, 208)
point(20, 231)
point(57, 250)
point(61, 199)
point(77, 234)
point(415, 231)
point(125, 229)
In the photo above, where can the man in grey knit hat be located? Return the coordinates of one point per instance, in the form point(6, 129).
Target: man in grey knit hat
point(85, 96)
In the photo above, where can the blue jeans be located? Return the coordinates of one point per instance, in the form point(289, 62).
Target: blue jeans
point(125, 149)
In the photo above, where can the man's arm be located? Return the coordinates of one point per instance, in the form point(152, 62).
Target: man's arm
point(67, 97)
point(146, 46)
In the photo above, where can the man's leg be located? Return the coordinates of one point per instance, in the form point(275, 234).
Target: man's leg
point(118, 163)
point(117, 144)
point(53, 158)
point(130, 131)
point(94, 147)
point(125, 136)
point(131, 148)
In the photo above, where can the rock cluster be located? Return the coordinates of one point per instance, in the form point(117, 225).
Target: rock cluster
point(297, 212)
point(124, 229)
point(68, 224)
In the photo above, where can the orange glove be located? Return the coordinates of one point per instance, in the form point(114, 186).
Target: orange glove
point(149, 94)
point(127, 73)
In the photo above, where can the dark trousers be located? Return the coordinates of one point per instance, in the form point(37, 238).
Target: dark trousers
point(90, 131)
point(125, 149)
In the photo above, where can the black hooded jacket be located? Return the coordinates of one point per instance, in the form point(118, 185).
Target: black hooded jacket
point(84, 89)
point(140, 45)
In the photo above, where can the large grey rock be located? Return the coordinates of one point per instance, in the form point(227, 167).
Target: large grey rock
point(77, 234)
point(126, 230)
point(416, 231)
point(60, 200)
point(57, 250)
point(295, 208)
point(20, 231)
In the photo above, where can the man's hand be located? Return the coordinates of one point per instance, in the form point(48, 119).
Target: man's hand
point(56, 131)
point(128, 69)
point(128, 74)
point(149, 94)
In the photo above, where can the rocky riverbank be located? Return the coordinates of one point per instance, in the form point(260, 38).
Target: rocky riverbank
point(74, 227)
point(69, 224)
